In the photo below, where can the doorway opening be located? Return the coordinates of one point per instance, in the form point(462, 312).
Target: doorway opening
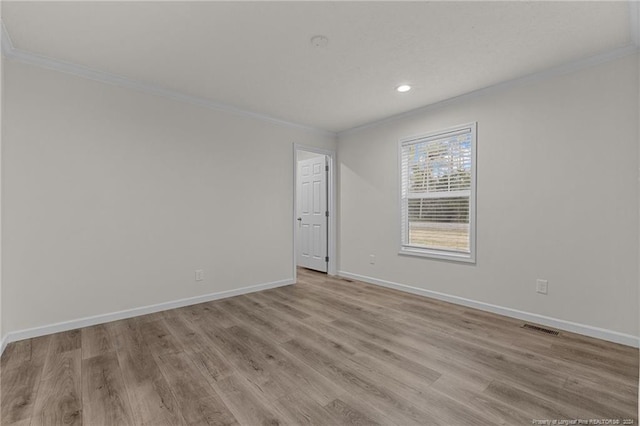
point(314, 210)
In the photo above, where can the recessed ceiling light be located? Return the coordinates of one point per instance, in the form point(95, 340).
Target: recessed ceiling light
point(403, 88)
point(319, 41)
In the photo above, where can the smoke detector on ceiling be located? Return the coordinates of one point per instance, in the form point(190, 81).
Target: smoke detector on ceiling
point(319, 41)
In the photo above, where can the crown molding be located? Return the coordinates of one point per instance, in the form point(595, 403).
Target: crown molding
point(13, 53)
point(10, 52)
point(568, 68)
point(634, 14)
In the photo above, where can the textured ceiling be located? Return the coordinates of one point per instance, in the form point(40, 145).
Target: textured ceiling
point(257, 55)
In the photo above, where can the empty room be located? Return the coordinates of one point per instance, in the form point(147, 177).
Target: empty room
point(319, 213)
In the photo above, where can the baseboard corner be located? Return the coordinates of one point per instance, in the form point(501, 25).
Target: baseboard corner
point(4, 341)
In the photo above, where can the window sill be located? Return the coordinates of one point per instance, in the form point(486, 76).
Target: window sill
point(438, 254)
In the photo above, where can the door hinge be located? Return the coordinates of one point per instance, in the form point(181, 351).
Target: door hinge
point(326, 168)
point(326, 213)
point(326, 259)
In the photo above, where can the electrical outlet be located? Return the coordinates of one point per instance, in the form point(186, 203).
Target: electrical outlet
point(199, 274)
point(542, 286)
point(372, 259)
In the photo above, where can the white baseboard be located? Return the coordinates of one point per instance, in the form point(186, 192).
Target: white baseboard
point(3, 343)
point(587, 330)
point(15, 336)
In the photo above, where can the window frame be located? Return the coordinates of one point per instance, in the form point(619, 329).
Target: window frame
point(409, 250)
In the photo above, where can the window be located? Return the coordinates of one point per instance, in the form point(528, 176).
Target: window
point(437, 174)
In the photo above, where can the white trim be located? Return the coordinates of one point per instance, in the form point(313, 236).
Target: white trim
point(570, 67)
point(332, 266)
point(634, 14)
point(7, 44)
point(27, 57)
point(15, 336)
point(587, 330)
point(437, 254)
point(3, 344)
point(42, 61)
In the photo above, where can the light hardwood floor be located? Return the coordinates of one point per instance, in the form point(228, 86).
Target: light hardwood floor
point(325, 351)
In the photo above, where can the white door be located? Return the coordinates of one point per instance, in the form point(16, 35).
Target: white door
point(312, 213)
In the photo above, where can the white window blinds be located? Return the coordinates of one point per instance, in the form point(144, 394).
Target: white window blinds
point(437, 193)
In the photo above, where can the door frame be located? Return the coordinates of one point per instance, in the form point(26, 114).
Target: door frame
point(332, 265)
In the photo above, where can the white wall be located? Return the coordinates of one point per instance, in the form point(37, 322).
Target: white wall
point(638, 139)
point(1, 131)
point(113, 198)
point(638, 100)
point(557, 198)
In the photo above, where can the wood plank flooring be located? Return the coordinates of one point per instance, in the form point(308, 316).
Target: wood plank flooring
point(325, 351)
